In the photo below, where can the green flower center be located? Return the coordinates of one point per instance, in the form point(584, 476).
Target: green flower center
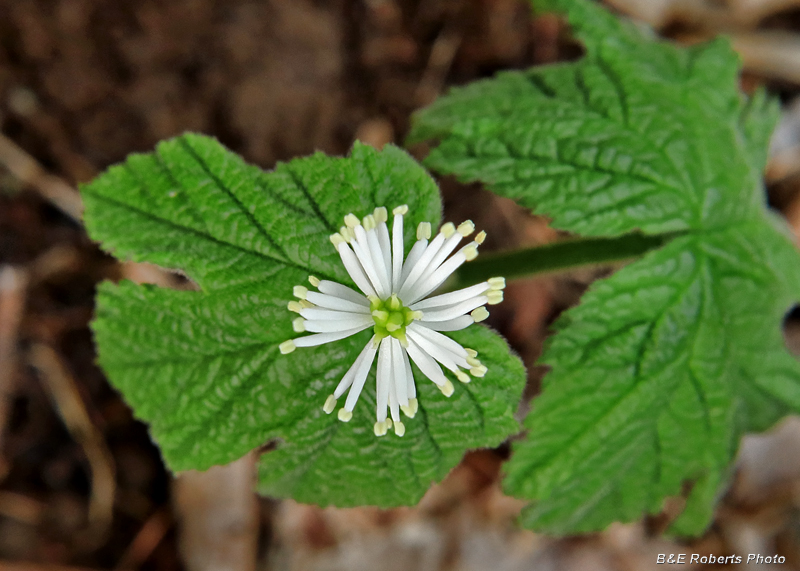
point(391, 318)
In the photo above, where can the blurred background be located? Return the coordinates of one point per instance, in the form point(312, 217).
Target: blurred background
point(85, 82)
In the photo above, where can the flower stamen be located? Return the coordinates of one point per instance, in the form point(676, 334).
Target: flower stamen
point(406, 325)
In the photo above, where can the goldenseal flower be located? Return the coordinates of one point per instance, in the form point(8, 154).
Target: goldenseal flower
point(393, 302)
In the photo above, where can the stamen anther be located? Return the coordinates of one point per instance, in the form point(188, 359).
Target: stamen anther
point(380, 428)
point(479, 314)
point(424, 231)
point(495, 297)
point(466, 228)
point(447, 389)
point(351, 220)
point(380, 214)
point(410, 410)
point(478, 371)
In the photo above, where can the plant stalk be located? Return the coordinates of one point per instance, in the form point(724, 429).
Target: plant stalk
point(559, 256)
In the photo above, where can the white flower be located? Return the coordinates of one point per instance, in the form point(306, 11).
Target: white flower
point(393, 303)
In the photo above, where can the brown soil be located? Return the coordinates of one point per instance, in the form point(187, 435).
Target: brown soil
point(83, 83)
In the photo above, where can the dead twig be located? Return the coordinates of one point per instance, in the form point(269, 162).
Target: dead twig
point(28, 171)
point(61, 386)
point(770, 53)
point(9, 566)
point(751, 12)
point(64, 197)
point(145, 542)
point(13, 284)
point(57, 260)
point(785, 164)
point(218, 515)
point(443, 53)
point(715, 17)
point(21, 508)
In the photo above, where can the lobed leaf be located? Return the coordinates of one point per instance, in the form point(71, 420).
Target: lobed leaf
point(663, 366)
point(203, 368)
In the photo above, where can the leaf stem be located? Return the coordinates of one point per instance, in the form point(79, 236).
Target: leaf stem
point(560, 256)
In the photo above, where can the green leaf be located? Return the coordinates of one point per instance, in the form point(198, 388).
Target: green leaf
point(203, 369)
point(663, 366)
point(759, 117)
point(348, 466)
point(655, 377)
point(629, 138)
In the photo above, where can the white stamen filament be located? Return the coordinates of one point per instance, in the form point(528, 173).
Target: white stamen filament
point(406, 326)
point(447, 299)
point(334, 302)
point(350, 375)
point(425, 363)
point(434, 351)
point(399, 372)
point(397, 250)
point(412, 259)
point(453, 311)
point(364, 258)
point(446, 249)
point(442, 273)
point(411, 387)
point(452, 347)
point(353, 267)
point(384, 374)
point(422, 265)
point(330, 314)
point(321, 338)
point(338, 290)
point(386, 250)
point(394, 408)
point(373, 247)
point(361, 375)
point(330, 325)
point(456, 324)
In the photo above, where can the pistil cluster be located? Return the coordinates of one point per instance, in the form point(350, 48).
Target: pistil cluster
point(407, 325)
point(391, 318)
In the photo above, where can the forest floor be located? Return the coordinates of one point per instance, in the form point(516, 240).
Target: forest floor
point(83, 83)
